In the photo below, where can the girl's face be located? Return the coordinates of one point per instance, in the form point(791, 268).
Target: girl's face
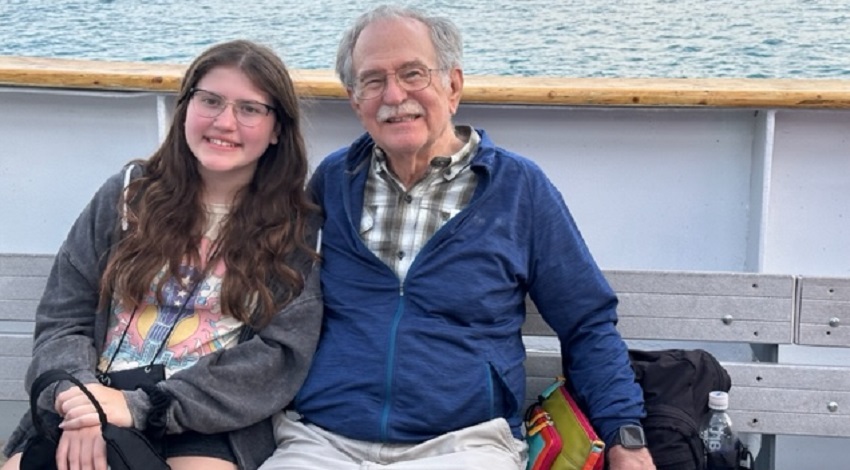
point(229, 125)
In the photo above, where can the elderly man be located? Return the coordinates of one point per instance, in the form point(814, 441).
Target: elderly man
point(432, 240)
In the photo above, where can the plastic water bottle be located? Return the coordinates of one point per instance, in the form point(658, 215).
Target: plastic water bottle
point(717, 435)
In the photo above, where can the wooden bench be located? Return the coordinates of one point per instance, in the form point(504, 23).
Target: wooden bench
point(760, 310)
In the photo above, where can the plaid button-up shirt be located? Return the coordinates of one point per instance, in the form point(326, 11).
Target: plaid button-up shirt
point(397, 222)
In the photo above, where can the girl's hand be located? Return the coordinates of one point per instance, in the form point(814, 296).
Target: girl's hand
point(81, 448)
point(78, 412)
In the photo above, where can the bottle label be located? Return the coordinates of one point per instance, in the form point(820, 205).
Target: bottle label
point(714, 439)
point(720, 448)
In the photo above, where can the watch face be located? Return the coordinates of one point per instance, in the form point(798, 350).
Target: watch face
point(631, 437)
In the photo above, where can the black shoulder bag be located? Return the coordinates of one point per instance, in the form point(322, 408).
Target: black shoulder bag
point(126, 448)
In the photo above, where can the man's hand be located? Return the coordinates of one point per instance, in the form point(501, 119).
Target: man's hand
point(78, 412)
point(81, 448)
point(620, 458)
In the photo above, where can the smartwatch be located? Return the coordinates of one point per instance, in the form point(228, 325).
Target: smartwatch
point(630, 436)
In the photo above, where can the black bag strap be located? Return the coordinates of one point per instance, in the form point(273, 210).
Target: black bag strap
point(41, 383)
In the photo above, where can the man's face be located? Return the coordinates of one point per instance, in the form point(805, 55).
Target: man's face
point(405, 123)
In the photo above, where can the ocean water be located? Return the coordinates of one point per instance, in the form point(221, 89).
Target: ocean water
point(571, 38)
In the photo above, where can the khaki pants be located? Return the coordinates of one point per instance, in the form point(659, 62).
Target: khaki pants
point(486, 446)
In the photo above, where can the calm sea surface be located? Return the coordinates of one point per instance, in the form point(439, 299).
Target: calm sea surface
point(575, 38)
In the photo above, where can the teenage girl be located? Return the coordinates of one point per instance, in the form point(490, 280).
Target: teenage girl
point(186, 295)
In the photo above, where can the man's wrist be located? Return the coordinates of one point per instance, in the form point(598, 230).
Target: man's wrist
point(630, 436)
point(620, 458)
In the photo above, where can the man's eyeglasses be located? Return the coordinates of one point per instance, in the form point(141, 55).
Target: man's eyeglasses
point(411, 78)
point(208, 104)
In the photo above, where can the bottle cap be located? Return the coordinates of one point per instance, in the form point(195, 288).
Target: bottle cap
point(718, 400)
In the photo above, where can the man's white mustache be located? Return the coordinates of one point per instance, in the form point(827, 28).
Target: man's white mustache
point(386, 112)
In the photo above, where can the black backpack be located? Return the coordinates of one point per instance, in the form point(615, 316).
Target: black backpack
point(676, 384)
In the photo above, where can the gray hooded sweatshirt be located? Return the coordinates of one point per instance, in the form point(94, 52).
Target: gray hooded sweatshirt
point(234, 390)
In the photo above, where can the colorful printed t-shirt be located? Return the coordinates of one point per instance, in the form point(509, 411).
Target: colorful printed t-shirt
point(200, 326)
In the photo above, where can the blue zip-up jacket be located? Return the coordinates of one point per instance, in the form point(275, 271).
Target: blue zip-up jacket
point(408, 361)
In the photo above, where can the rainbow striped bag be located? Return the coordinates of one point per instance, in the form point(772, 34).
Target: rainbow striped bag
point(559, 435)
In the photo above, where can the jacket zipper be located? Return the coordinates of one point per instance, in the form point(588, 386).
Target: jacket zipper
point(388, 380)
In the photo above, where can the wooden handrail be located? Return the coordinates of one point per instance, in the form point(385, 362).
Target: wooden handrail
point(322, 84)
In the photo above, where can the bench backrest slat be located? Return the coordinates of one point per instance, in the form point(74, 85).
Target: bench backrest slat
point(12, 390)
point(17, 310)
point(21, 265)
point(700, 283)
point(691, 306)
point(22, 281)
point(13, 367)
point(15, 345)
point(22, 287)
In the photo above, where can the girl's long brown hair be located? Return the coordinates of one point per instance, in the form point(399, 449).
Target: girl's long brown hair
point(268, 221)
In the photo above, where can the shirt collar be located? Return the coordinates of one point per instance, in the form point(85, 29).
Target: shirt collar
point(448, 166)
